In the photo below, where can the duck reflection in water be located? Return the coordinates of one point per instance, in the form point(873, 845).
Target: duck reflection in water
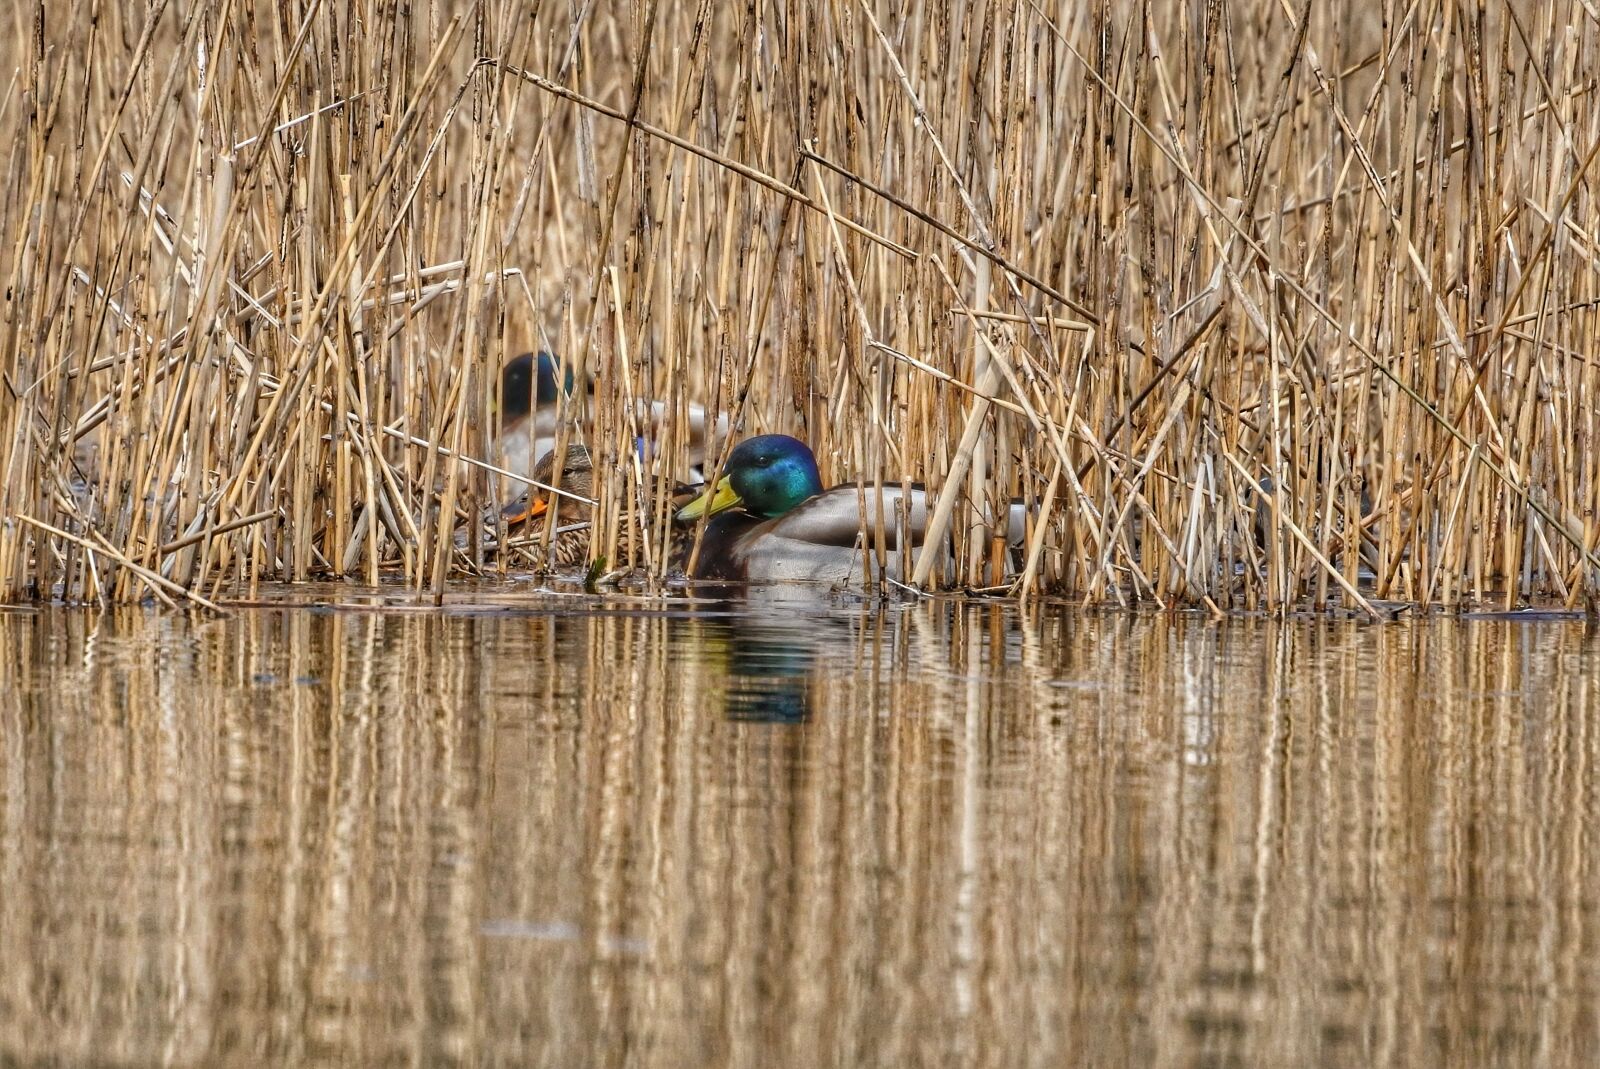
point(770, 674)
point(770, 661)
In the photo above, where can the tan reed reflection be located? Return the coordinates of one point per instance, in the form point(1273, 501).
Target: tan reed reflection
point(927, 835)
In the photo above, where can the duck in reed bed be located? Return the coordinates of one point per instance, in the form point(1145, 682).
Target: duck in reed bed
point(772, 521)
point(530, 386)
point(572, 548)
point(568, 549)
point(703, 435)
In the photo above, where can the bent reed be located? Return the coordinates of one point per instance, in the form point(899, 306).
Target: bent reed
point(1262, 304)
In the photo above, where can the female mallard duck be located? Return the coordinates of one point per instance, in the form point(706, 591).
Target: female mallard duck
point(568, 548)
point(771, 520)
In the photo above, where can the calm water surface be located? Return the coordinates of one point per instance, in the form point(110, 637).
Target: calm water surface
point(932, 835)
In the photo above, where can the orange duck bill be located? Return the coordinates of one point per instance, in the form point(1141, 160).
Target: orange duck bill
point(529, 508)
point(576, 481)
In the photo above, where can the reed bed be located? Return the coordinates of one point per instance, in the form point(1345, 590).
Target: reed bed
point(1263, 304)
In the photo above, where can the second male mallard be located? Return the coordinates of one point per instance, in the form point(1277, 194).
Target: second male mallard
point(530, 386)
point(772, 520)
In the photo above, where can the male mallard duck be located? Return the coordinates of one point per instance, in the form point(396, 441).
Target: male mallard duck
point(530, 385)
point(704, 435)
point(771, 520)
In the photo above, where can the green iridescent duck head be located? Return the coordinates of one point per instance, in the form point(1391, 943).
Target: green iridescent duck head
point(767, 476)
point(530, 381)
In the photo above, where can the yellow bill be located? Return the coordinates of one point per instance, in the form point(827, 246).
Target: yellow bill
point(719, 498)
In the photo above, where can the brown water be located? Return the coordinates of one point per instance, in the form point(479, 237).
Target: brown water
point(937, 835)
